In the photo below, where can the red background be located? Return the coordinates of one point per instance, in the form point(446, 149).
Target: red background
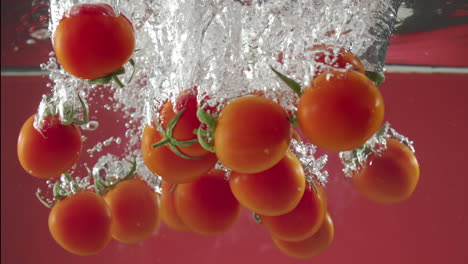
point(431, 227)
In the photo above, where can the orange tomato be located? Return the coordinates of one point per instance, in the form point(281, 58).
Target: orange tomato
point(311, 246)
point(341, 110)
point(81, 223)
point(207, 205)
point(272, 192)
point(169, 213)
point(163, 162)
point(252, 134)
point(135, 210)
point(92, 41)
point(389, 177)
point(50, 152)
point(303, 221)
point(183, 130)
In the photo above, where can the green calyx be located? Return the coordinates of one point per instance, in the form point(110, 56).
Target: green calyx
point(101, 186)
point(289, 82)
point(377, 77)
point(70, 114)
point(169, 140)
point(59, 192)
point(115, 76)
point(205, 137)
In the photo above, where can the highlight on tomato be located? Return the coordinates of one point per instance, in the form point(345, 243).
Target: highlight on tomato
point(252, 134)
point(303, 221)
point(335, 58)
point(92, 41)
point(169, 214)
point(311, 246)
point(207, 205)
point(275, 191)
point(135, 210)
point(340, 110)
point(390, 176)
point(172, 168)
point(81, 223)
point(51, 150)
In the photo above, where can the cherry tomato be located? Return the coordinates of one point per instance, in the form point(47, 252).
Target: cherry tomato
point(311, 246)
point(341, 110)
point(207, 205)
point(303, 221)
point(50, 152)
point(169, 214)
point(135, 210)
point(272, 192)
point(252, 134)
point(389, 177)
point(92, 41)
point(341, 59)
point(81, 223)
point(183, 130)
point(163, 162)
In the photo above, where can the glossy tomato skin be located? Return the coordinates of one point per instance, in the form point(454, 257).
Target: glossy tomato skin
point(92, 41)
point(50, 152)
point(169, 214)
point(340, 111)
point(389, 177)
point(81, 223)
point(188, 121)
point(163, 162)
point(272, 192)
point(252, 134)
point(135, 210)
point(311, 246)
point(338, 58)
point(303, 221)
point(207, 205)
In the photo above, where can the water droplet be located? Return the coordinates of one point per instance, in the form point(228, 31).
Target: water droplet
point(90, 126)
point(30, 41)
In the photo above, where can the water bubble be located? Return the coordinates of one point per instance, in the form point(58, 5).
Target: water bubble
point(91, 125)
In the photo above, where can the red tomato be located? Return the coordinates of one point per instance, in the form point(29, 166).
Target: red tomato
point(389, 177)
point(92, 41)
point(183, 130)
point(135, 210)
point(272, 192)
point(50, 152)
point(311, 246)
point(163, 162)
point(340, 60)
point(303, 221)
point(252, 134)
point(341, 110)
point(207, 205)
point(81, 223)
point(169, 214)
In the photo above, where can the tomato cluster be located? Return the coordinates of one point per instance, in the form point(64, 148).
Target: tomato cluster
point(251, 136)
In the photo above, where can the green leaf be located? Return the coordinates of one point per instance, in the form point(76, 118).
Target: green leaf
point(290, 82)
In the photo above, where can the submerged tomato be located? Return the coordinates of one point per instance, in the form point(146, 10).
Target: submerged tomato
point(135, 210)
point(338, 58)
point(169, 213)
point(207, 205)
point(92, 41)
point(303, 221)
point(341, 110)
point(252, 134)
point(390, 176)
point(50, 152)
point(311, 246)
point(163, 162)
point(188, 122)
point(275, 191)
point(81, 223)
